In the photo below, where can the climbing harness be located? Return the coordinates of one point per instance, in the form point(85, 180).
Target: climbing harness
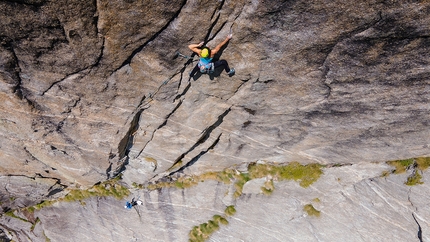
point(206, 68)
point(206, 65)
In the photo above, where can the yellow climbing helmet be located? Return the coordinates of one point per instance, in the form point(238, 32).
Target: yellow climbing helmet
point(204, 53)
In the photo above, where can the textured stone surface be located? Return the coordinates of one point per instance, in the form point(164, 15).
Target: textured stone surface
point(89, 89)
point(355, 204)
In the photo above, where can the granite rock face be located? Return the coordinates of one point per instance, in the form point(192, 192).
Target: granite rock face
point(91, 89)
point(351, 203)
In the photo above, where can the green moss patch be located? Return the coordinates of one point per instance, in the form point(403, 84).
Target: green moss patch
point(241, 179)
point(110, 188)
point(34, 224)
point(311, 211)
point(414, 179)
point(418, 165)
point(105, 189)
point(11, 213)
point(230, 211)
point(401, 165)
point(304, 174)
point(205, 230)
point(422, 163)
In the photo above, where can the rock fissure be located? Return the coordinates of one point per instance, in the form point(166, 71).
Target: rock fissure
point(238, 88)
point(140, 48)
point(196, 158)
point(33, 157)
point(204, 136)
point(125, 145)
point(217, 9)
point(169, 114)
point(208, 36)
point(183, 91)
point(420, 232)
point(159, 127)
point(18, 89)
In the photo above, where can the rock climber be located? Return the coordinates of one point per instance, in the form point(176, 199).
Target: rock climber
point(206, 64)
point(129, 205)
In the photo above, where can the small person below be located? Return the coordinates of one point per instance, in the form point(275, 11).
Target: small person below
point(129, 205)
point(206, 64)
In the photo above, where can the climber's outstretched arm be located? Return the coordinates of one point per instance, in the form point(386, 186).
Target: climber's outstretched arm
point(218, 47)
point(195, 48)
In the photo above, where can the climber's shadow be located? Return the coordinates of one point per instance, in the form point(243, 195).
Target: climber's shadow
point(217, 72)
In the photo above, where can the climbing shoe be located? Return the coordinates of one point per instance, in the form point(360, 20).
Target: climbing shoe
point(231, 72)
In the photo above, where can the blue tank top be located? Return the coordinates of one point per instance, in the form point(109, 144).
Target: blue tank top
point(204, 61)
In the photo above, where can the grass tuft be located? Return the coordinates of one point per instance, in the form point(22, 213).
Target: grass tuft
point(205, 230)
point(401, 165)
point(423, 163)
point(304, 174)
point(311, 211)
point(414, 179)
point(268, 188)
point(34, 224)
point(417, 164)
point(230, 211)
point(11, 213)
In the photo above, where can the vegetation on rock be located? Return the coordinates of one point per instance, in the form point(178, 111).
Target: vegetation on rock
point(304, 174)
point(417, 165)
point(311, 211)
point(203, 231)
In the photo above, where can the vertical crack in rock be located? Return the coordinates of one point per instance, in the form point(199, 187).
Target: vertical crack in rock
point(100, 57)
point(125, 145)
point(207, 37)
point(169, 114)
point(197, 157)
point(82, 72)
point(160, 126)
point(204, 136)
point(420, 232)
point(18, 89)
point(61, 80)
point(214, 23)
point(329, 89)
point(183, 92)
point(98, 33)
point(140, 48)
point(218, 9)
point(54, 189)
